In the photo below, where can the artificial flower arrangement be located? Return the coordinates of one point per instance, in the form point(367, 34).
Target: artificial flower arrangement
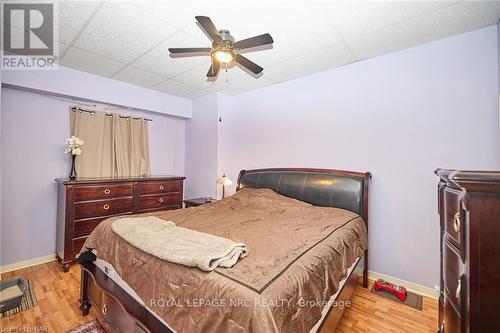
point(73, 147)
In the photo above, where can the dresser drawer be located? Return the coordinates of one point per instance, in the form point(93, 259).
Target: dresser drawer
point(454, 216)
point(85, 227)
point(103, 191)
point(77, 244)
point(451, 273)
point(103, 208)
point(159, 187)
point(162, 201)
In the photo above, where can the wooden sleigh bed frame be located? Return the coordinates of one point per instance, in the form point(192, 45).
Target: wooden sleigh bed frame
point(320, 187)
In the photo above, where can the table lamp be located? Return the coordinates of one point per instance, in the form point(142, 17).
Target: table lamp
point(224, 181)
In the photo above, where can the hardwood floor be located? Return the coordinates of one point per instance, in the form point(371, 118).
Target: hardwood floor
point(58, 294)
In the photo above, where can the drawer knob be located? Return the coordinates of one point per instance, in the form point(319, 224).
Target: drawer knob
point(104, 309)
point(106, 206)
point(107, 191)
point(456, 222)
point(458, 292)
point(160, 200)
point(162, 187)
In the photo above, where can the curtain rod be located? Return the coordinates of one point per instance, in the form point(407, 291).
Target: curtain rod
point(74, 109)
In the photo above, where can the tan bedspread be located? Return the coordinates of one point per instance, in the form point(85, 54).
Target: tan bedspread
point(298, 254)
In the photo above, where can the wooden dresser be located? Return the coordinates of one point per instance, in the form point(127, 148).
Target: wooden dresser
point(469, 210)
point(84, 203)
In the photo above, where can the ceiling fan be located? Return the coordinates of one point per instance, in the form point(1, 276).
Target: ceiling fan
point(225, 50)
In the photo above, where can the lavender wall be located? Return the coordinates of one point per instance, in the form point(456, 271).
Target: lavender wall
point(399, 116)
point(498, 55)
point(201, 141)
point(33, 130)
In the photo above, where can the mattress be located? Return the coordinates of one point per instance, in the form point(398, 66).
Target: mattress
point(298, 256)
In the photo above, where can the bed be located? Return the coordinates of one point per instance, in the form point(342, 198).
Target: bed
point(306, 230)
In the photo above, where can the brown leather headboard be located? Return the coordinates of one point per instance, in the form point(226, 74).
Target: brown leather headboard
point(319, 187)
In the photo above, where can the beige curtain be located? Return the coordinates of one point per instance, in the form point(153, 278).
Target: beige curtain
point(114, 146)
point(131, 146)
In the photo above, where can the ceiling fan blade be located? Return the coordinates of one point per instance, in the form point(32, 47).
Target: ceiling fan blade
point(214, 69)
point(176, 50)
point(208, 26)
point(248, 64)
point(255, 41)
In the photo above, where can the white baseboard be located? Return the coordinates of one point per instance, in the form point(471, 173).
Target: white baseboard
point(410, 286)
point(27, 263)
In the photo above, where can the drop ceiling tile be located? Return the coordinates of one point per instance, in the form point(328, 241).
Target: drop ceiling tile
point(318, 60)
point(203, 92)
point(440, 24)
point(174, 88)
point(159, 61)
point(86, 61)
point(62, 48)
point(278, 53)
point(197, 94)
point(123, 32)
point(196, 77)
point(138, 77)
point(243, 84)
point(72, 17)
point(354, 18)
point(176, 13)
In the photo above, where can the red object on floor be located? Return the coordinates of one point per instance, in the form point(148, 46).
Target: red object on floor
point(399, 291)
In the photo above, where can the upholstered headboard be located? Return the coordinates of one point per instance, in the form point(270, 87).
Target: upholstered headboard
point(319, 187)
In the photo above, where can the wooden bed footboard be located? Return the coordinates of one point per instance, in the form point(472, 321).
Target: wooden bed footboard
point(118, 311)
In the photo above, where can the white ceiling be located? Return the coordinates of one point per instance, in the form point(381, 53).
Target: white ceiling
point(128, 41)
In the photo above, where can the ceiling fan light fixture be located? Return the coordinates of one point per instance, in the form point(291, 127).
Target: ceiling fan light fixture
point(223, 56)
point(225, 49)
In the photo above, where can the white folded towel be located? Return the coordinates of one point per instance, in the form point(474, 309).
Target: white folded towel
point(179, 245)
